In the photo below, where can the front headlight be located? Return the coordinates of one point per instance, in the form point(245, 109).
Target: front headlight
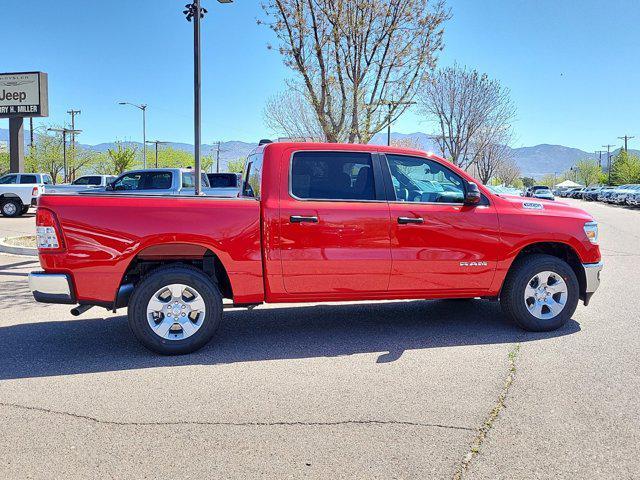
point(591, 230)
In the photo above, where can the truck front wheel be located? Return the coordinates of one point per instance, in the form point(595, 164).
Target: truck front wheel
point(175, 310)
point(540, 293)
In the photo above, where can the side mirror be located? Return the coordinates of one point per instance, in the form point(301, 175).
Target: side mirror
point(472, 195)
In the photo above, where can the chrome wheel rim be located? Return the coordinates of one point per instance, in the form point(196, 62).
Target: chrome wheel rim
point(176, 312)
point(9, 208)
point(546, 295)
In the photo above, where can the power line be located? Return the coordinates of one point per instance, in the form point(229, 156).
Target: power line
point(73, 114)
point(608, 147)
point(599, 153)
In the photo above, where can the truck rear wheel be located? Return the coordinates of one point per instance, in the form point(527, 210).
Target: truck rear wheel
point(175, 310)
point(12, 207)
point(540, 293)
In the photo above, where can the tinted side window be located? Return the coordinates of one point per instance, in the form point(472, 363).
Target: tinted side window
point(46, 179)
point(332, 176)
point(82, 181)
point(8, 179)
point(157, 181)
point(26, 179)
point(422, 180)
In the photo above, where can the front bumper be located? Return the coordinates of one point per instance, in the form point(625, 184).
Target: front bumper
point(52, 288)
point(592, 277)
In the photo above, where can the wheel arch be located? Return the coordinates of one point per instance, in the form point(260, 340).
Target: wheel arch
point(560, 250)
point(152, 257)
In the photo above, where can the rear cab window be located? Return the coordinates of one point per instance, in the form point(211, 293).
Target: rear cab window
point(28, 179)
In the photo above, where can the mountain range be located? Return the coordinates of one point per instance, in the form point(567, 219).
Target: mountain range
point(535, 161)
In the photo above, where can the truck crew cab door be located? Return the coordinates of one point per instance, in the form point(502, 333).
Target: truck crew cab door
point(334, 225)
point(438, 244)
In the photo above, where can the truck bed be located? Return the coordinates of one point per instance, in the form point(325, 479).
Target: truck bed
point(103, 234)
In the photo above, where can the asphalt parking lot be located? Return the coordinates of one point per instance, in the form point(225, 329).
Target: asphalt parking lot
point(374, 390)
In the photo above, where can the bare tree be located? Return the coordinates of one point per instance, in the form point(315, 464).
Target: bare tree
point(290, 114)
point(508, 172)
point(490, 150)
point(470, 110)
point(407, 142)
point(352, 56)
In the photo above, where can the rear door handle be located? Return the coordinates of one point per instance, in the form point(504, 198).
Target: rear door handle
point(303, 219)
point(406, 220)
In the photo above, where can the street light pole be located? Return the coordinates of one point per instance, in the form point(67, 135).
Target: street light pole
point(195, 12)
point(143, 108)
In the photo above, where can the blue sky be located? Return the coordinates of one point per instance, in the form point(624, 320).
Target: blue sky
point(572, 65)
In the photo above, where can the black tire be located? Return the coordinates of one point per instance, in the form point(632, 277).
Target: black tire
point(25, 209)
point(512, 296)
point(163, 276)
point(11, 207)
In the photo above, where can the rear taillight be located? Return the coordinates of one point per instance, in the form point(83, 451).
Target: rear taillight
point(48, 233)
point(35, 192)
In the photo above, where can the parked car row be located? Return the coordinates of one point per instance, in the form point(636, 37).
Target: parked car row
point(19, 191)
point(620, 195)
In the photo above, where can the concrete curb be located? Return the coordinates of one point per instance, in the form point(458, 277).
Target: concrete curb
point(13, 250)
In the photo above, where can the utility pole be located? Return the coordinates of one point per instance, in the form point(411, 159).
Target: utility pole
point(31, 135)
point(608, 147)
point(390, 104)
point(156, 142)
point(64, 132)
point(626, 139)
point(599, 153)
point(73, 114)
point(218, 150)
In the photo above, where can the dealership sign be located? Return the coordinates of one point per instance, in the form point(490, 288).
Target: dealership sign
point(24, 95)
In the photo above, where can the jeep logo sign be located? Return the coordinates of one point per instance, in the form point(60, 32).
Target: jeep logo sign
point(23, 95)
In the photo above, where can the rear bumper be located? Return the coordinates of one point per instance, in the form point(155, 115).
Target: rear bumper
point(592, 277)
point(52, 288)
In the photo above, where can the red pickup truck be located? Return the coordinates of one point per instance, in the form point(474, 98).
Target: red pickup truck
point(314, 223)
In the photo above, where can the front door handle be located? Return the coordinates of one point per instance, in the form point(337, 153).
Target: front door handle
point(406, 220)
point(303, 219)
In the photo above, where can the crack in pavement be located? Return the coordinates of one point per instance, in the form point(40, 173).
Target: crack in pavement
point(233, 424)
point(493, 415)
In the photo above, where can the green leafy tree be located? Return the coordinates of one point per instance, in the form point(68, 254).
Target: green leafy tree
point(588, 172)
point(119, 160)
point(170, 157)
point(528, 181)
point(625, 168)
point(549, 180)
point(84, 162)
point(236, 166)
point(46, 156)
point(4, 162)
